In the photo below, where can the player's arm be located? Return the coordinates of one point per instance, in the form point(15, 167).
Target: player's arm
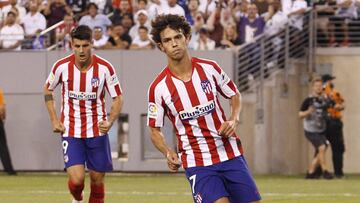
point(116, 105)
point(159, 142)
point(57, 126)
point(228, 128)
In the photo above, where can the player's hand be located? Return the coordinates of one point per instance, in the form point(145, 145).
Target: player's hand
point(58, 127)
point(104, 126)
point(173, 161)
point(227, 129)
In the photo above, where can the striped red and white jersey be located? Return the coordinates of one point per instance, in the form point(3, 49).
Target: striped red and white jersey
point(83, 94)
point(195, 111)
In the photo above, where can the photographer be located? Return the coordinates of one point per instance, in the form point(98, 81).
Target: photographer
point(313, 111)
point(334, 128)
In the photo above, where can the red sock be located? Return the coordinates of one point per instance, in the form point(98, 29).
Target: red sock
point(97, 193)
point(76, 190)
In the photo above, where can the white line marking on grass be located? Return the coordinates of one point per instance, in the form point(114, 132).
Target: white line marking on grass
point(309, 195)
point(153, 193)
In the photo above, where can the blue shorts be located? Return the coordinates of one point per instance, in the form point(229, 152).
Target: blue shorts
point(92, 152)
point(230, 179)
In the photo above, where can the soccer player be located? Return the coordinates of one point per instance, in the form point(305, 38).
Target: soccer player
point(83, 123)
point(187, 92)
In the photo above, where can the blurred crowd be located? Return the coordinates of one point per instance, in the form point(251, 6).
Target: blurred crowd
point(338, 22)
point(125, 24)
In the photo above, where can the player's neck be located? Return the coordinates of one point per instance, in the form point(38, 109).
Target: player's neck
point(181, 68)
point(83, 66)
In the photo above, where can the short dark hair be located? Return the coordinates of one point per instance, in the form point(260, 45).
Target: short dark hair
point(174, 22)
point(92, 4)
point(82, 32)
point(143, 27)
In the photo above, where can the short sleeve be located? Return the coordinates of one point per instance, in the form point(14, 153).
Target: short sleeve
point(155, 111)
point(54, 77)
point(223, 83)
point(112, 83)
point(305, 105)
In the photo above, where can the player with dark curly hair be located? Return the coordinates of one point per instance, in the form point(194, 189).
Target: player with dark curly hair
point(187, 92)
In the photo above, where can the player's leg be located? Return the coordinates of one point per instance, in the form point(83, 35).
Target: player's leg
point(223, 200)
point(206, 185)
point(76, 176)
point(97, 194)
point(74, 158)
point(98, 162)
point(239, 181)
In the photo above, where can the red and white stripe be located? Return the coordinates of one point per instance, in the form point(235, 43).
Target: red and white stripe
point(199, 143)
point(81, 116)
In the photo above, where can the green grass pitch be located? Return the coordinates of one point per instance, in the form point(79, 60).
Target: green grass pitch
point(174, 188)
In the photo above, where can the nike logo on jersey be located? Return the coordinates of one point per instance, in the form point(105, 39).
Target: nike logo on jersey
point(82, 95)
point(197, 111)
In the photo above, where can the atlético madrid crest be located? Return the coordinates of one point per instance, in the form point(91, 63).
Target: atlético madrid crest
point(95, 82)
point(206, 86)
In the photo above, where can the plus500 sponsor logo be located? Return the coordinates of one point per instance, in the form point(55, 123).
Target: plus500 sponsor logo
point(197, 111)
point(82, 95)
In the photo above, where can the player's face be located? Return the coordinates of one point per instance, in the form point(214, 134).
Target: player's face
point(173, 43)
point(82, 50)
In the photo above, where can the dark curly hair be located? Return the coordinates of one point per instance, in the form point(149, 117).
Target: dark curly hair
point(174, 22)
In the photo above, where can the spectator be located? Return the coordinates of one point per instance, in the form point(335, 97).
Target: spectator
point(251, 25)
point(142, 5)
point(339, 23)
point(313, 112)
point(13, 6)
point(78, 7)
point(141, 18)
point(198, 24)
point(204, 42)
point(118, 39)
point(127, 22)
point(262, 5)
point(230, 38)
point(95, 19)
point(63, 32)
point(142, 40)
point(119, 4)
point(275, 24)
point(33, 22)
point(12, 34)
point(55, 11)
point(240, 9)
point(276, 19)
point(154, 8)
point(334, 127)
point(172, 8)
point(324, 9)
point(193, 7)
point(4, 151)
point(100, 4)
point(100, 39)
point(217, 21)
point(207, 7)
point(119, 12)
point(296, 15)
